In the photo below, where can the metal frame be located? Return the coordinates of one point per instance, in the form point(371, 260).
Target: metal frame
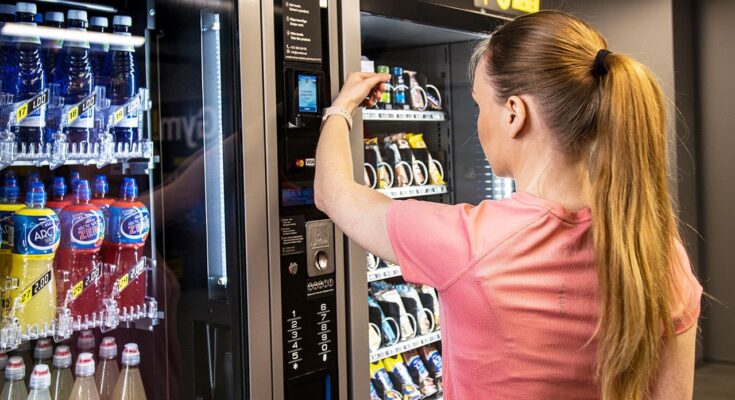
point(257, 368)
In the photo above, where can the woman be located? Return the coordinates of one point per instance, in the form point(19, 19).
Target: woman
point(578, 285)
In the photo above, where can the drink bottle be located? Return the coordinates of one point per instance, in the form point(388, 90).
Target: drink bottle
point(101, 187)
point(35, 239)
point(43, 352)
point(3, 363)
point(52, 47)
point(40, 383)
point(73, 178)
point(122, 82)
point(61, 377)
point(76, 81)
point(24, 351)
point(58, 195)
point(99, 51)
point(107, 371)
point(86, 343)
point(84, 386)
point(129, 385)
point(77, 259)
point(30, 180)
point(7, 48)
point(15, 386)
point(9, 204)
point(124, 245)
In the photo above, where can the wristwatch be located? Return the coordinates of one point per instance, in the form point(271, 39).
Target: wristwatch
point(329, 111)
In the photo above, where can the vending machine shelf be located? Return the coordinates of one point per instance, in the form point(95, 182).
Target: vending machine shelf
point(58, 155)
point(413, 191)
point(375, 114)
point(401, 347)
point(383, 273)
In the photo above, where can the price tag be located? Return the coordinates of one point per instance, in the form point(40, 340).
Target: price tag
point(27, 294)
point(80, 108)
point(31, 105)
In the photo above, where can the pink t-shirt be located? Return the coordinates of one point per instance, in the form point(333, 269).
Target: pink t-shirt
point(518, 294)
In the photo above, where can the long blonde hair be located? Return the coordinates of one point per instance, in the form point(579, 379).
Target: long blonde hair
point(614, 117)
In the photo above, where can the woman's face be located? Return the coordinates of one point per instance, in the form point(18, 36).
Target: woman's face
point(491, 125)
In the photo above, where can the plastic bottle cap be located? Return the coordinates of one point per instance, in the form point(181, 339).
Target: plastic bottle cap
point(124, 20)
point(85, 365)
point(82, 192)
point(43, 350)
point(128, 188)
point(78, 15)
point(36, 194)
point(100, 184)
point(86, 340)
point(3, 360)
point(40, 377)
point(55, 16)
point(62, 357)
point(131, 355)
point(15, 369)
point(10, 187)
point(29, 8)
point(108, 348)
point(7, 9)
point(98, 21)
point(59, 186)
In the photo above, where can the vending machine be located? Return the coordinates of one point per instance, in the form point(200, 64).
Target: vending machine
point(419, 142)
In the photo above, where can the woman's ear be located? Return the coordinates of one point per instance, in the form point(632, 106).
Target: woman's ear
point(516, 116)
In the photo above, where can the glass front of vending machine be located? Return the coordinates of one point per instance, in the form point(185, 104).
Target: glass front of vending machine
point(131, 199)
point(419, 142)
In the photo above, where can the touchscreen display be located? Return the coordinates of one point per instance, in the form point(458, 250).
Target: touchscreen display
point(307, 93)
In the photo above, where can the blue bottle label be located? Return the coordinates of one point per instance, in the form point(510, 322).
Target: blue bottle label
point(129, 225)
point(417, 365)
point(35, 234)
point(436, 360)
point(400, 97)
point(6, 226)
point(85, 230)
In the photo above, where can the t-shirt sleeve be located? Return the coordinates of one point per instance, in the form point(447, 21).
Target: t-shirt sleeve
point(433, 242)
point(688, 294)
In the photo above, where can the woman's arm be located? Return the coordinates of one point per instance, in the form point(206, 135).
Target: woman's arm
point(358, 211)
point(674, 378)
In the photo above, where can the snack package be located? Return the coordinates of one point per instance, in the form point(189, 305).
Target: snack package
point(419, 373)
point(411, 300)
point(383, 382)
point(433, 361)
point(374, 160)
point(397, 368)
point(422, 154)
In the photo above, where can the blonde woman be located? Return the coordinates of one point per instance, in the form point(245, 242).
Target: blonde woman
point(576, 287)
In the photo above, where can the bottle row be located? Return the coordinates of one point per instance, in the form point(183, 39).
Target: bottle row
point(51, 372)
point(72, 264)
point(400, 160)
point(69, 100)
point(413, 375)
point(407, 90)
point(400, 312)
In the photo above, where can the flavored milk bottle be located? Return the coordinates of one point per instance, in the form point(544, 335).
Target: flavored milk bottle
point(84, 387)
point(40, 382)
point(123, 247)
point(82, 231)
point(107, 371)
point(15, 387)
point(35, 239)
point(129, 385)
point(61, 378)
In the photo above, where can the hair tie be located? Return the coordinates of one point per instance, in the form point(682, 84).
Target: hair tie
point(599, 68)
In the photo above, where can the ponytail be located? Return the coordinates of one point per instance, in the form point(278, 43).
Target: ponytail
point(634, 228)
point(617, 120)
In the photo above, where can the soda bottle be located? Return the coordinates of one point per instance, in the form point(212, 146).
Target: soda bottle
point(40, 383)
point(9, 204)
point(101, 187)
point(52, 47)
point(129, 385)
point(82, 231)
point(35, 239)
point(122, 82)
point(61, 377)
point(399, 89)
point(28, 80)
point(15, 386)
point(107, 371)
point(84, 387)
point(99, 51)
point(75, 79)
point(3, 363)
point(86, 343)
point(43, 352)
point(124, 245)
point(7, 60)
point(58, 195)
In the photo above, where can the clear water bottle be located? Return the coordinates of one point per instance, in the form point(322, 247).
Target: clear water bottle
point(122, 84)
point(28, 80)
point(99, 51)
point(75, 79)
point(52, 47)
point(7, 14)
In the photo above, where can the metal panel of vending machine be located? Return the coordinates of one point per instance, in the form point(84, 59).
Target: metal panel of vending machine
point(419, 141)
point(154, 109)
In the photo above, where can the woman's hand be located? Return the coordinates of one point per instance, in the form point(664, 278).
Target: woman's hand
point(361, 88)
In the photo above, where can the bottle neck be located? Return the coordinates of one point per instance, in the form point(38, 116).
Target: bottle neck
point(128, 199)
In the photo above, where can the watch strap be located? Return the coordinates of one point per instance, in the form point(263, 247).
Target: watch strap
point(329, 111)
